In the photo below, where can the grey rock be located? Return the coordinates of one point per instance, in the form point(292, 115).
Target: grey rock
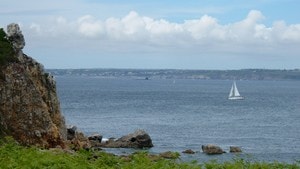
point(71, 131)
point(235, 149)
point(95, 140)
point(76, 140)
point(189, 151)
point(15, 35)
point(138, 139)
point(95, 137)
point(212, 149)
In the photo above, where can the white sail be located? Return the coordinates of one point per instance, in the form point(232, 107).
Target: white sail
point(231, 93)
point(234, 93)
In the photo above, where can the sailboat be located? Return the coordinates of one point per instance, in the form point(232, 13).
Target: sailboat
point(234, 93)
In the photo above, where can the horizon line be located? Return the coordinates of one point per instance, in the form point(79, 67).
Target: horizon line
point(298, 69)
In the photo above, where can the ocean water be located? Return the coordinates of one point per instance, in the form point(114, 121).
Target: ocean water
point(185, 114)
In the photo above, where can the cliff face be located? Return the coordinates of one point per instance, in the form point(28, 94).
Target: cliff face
point(29, 107)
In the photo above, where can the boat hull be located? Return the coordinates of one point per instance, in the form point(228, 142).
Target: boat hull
point(236, 98)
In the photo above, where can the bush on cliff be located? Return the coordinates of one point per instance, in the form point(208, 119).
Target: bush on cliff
point(7, 53)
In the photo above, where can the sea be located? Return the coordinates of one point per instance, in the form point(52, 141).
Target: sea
point(181, 114)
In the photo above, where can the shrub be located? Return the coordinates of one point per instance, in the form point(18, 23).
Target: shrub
point(7, 53)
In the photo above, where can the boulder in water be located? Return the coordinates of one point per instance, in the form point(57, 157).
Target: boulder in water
point(138, 139)
point(212, 149)
point(235, 149)
point(189, 151)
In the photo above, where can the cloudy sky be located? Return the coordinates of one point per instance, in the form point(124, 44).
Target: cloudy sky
point(193, 34)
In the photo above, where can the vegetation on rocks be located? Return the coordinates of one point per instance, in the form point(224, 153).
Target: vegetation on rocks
point(15, 156)
point(6, 49)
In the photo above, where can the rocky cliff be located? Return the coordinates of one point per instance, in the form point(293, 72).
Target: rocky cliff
point(29, 107)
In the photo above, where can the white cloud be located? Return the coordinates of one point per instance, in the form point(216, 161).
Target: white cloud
point(201, 28)
point(88, 26)
point(286, 33)
point(205, 33)
point(249, 28)
point(133, 23)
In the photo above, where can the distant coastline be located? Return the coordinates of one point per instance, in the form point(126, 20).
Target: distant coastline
point(243, 74)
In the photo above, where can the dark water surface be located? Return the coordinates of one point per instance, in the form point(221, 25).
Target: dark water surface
point(185, 114)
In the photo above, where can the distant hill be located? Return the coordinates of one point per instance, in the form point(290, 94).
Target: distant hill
point(243, 74)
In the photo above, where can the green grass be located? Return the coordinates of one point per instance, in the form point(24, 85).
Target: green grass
point(15, 156)
point(244, 164)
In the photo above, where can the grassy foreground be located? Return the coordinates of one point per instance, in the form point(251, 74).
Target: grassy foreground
point(15, 156)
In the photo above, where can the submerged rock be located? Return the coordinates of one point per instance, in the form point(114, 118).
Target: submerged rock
point(235, 149)
point(138, 139)
point(169, 155)
point(212, 149)
point(189, 151)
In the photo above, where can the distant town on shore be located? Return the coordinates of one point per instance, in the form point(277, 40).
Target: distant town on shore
point(148, 74)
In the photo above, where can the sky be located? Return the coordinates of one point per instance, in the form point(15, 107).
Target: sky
point(156, 34)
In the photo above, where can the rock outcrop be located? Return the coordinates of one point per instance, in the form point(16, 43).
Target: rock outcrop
point(95, 137)
point(29, 107)
point(212, 149)
point(95, 140)
point(71, 132)
point(138, 139)
point(16, 37)
point(76, 139)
